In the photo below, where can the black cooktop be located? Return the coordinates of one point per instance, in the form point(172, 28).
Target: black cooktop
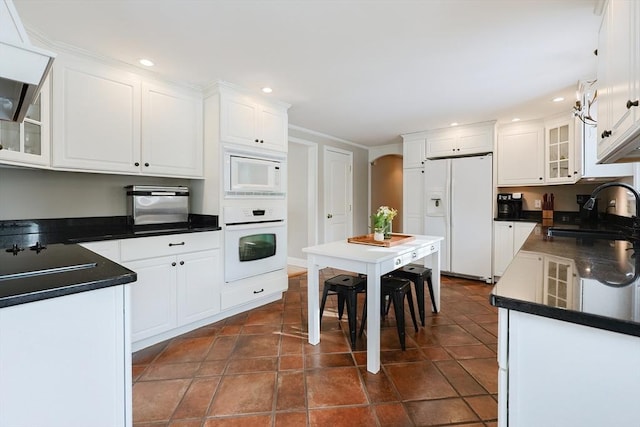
point(19, 262)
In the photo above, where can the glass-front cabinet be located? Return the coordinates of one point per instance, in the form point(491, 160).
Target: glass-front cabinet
point(27, 143)
point(562, 154)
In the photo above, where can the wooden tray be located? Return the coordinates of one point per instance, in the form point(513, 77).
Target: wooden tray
point(367, 239)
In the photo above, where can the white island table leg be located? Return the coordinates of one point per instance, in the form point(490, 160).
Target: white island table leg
point(313, 300)
point(373, 318)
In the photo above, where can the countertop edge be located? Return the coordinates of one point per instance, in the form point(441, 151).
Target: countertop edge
point(580, 318)
point(19, 299)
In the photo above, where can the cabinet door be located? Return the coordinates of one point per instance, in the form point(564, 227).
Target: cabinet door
point(621, 64)
point(199, 279)
point(502, 246)
point(559, 152)
point(442, 144)
point(172, 143)
point(96, 117)
point(474, 140)
point(413, 200)
point(413, 151)
point(272, 129)
point(153, 297)
point(27, 143)
point(238, 119)
point(521, 155)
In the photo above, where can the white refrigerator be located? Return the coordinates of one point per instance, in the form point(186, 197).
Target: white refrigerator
point(459, 207)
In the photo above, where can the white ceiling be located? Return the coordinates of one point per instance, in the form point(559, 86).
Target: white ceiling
point(365, 71)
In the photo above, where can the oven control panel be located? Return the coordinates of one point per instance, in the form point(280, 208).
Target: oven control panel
point(237, 214)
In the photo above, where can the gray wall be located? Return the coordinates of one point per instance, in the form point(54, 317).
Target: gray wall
point(37, 194)
point(297, 206)
point(360, 178)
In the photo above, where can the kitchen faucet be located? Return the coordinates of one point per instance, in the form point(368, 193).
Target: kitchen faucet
point(635, 228)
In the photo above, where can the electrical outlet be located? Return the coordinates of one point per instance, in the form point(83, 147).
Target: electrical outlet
point(537, 204)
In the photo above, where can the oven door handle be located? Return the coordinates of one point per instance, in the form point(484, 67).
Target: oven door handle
point(255, 225)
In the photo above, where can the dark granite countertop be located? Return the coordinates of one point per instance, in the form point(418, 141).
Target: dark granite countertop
point(592, 282)
point(26, 232)
point(69, 267)
point(82, 270)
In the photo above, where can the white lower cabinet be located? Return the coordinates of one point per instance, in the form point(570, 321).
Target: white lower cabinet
point(179, 279)
point(557, 373)
point(66, 361)
point(508, 238)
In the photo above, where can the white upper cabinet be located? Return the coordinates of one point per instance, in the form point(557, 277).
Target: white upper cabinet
point(171, 130)
point(520, 159)
point(96, 117)
point(562, 151)
point(619, 81)
point(461, 141)
point(540, 152)
point(248, 120)
point(110, 120)
point(27, 143)
point(413, 150)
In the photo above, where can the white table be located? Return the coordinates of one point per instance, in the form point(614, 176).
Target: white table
point(374, 261)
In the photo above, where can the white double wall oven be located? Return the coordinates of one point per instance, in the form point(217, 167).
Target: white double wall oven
point(254, 214)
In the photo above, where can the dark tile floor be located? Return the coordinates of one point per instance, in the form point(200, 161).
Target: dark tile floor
point(257, 369)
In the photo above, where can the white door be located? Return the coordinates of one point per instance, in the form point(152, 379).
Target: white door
point(436, 176)
point(471, 215)
point(338, 198)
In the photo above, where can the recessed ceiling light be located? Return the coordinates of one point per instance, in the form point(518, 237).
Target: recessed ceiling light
point(558, 99)
point(146, 62)
point(515, 119)
point(454, 124)
point(267, 90)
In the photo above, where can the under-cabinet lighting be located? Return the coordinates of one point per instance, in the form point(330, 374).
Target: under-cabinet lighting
point(558, 99)
point(147, 62)
point(267, 90)
point(454, 124)
point(515, 119)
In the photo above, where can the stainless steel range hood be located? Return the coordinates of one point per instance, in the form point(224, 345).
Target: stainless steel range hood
point(23, 67)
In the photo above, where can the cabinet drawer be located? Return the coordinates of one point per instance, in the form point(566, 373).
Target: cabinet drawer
point(237, 294)
point(109, 249)
point(156, 246)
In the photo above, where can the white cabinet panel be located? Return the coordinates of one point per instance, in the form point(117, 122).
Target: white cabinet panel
point(520, 158)
point(562, 378)
point(413, 200)
point(461, 141)
point(153, 297)
point(64, 362)
point(252, 121)
point(413, 151)
point(198, 285)
point(171, 131)
point(96, 112)
point(508, 238)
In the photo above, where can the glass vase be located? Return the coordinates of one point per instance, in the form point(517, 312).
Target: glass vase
point(387, 230)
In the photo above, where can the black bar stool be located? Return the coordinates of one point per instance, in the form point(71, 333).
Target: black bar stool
point(396, 289)
point(347, 288)
point(418, 274)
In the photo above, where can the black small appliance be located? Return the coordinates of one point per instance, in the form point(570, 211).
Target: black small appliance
point(509, 205)
point(587, 216)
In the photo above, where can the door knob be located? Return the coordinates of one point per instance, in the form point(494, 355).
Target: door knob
point(329, 216)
